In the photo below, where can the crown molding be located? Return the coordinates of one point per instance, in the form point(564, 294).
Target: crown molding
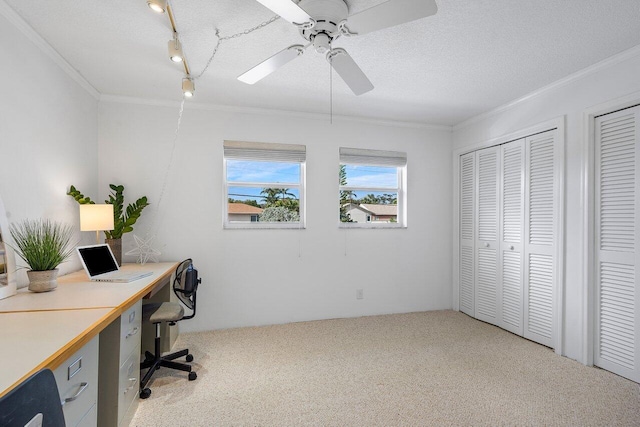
point(26, 29)
point(270, 112)
point(585, 72)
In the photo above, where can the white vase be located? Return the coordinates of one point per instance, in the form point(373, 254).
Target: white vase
point(42, 281)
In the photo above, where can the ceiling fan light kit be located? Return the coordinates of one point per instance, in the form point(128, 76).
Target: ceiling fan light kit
point(321, 22)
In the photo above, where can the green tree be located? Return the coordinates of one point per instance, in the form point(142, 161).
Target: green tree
point(271, 196)
point(371, 199)
point(251, 202)
point(389, 199)
point(346, 196)
point(279, 214)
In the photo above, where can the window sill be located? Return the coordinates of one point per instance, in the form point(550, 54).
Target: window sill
point(264, 226)
point(346, 225)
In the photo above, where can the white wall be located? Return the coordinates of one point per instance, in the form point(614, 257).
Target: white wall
point(48, 134)
point(604, 82)
point(256, 277)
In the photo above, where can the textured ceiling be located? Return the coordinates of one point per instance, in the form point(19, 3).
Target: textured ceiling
point(472, 56)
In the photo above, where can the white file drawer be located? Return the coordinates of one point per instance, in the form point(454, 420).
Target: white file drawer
point(129, 383)
point(89, 419)
point(130, 330)
point(77, 380)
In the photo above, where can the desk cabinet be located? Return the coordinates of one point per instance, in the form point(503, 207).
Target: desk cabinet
point(77, 380)
point(120, 368)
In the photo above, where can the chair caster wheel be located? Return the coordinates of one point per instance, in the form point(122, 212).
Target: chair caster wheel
point(189, 357)
point(144, 393)
point(192, 376)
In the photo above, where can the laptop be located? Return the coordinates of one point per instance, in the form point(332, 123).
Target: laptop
point(101, 266)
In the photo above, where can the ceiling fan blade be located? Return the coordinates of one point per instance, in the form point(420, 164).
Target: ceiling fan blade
point(349, 71)
point(270, 65)
point(287, 10)
point(393, 12)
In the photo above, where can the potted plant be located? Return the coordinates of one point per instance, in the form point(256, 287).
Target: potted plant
point(123, 219)
point(43, 245)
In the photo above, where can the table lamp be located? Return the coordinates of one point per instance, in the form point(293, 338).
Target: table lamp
point(96, 218)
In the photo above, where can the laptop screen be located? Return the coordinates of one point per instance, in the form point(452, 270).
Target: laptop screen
point(98, 259)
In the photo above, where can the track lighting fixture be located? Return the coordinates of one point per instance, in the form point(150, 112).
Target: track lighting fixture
point(159, 6)
point(175, 49)
point(188, 87)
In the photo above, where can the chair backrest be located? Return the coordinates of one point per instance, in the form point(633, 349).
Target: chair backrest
point(185, 285)
point(37, 396)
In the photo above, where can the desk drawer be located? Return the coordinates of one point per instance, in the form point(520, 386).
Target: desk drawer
point(130, 330)
point(77, 380)
point(129, 384)
point(89, 419)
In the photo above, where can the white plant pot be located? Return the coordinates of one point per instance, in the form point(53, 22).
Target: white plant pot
point(43, 281)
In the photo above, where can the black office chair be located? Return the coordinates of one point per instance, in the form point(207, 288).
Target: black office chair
point(35, 400)
point(185, 286)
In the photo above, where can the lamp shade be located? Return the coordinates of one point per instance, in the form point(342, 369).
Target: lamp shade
point(96, 217)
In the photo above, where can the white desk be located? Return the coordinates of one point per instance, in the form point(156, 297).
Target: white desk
point(36, 340)
point(75, 291)
point(42, 330)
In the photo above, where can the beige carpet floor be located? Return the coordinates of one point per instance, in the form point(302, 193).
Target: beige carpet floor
point(419, 369)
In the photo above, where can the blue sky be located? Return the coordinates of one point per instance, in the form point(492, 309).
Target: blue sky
point(274, 172)
point(277, 172)
point(372, 176)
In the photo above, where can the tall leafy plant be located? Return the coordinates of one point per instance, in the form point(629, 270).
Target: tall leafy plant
point(123, 218)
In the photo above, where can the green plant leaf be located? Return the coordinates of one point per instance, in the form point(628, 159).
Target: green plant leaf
point(123, 219)
point(79, 197)
point(42, 244)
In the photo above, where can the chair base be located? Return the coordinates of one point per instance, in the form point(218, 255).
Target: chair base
point(153, 362)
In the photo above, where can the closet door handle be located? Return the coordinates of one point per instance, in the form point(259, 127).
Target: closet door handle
point(486, 245)
point(511, 247)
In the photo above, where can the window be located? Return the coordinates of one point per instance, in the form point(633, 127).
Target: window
point(372, 188)
point(264, 185)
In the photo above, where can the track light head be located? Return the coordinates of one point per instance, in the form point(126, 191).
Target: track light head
point(188, 87)
point(175, 49)
point(159, 6)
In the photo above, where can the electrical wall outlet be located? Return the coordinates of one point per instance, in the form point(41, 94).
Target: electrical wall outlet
point(359, 294)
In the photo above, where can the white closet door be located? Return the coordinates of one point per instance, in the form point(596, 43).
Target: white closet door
point(511, 231)
point(540, 222)
point(617, 234)
point(487, 262)
point(467, 215)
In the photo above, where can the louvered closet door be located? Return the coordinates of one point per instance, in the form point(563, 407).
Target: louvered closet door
point(487, 246)
point(511, 232)
point(617, 239)
point(467, 215)
point(540, 245)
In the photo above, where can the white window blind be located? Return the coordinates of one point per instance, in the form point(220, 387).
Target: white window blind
point(241, 150)
point(358, 156)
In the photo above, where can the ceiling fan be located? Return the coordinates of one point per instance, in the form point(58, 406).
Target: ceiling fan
point(320, 22)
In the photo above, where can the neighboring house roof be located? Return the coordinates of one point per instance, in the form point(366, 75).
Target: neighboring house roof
point(243, 208)
point(381, 210)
